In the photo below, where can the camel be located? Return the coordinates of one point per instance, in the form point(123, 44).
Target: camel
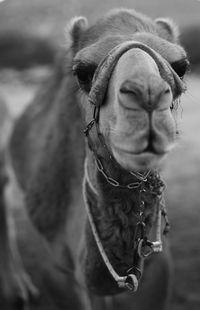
point(85, 159)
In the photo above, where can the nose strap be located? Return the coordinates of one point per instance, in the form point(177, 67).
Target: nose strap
point(107, 65)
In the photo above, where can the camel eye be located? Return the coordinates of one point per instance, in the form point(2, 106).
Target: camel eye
point(84, 73)
point(181, 67)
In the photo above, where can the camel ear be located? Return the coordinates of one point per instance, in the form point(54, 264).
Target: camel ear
point(75, 29)
point(167, 29)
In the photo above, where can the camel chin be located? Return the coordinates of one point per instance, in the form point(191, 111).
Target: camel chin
point(139, 162)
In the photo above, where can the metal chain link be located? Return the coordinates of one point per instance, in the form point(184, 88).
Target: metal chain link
point(115, 183)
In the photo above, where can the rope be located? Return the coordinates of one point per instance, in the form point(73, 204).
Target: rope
point(157, 245)
point(88, 179)
point(123, 281)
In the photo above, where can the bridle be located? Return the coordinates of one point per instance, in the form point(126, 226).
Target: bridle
point(143, 247)
point(97, 94)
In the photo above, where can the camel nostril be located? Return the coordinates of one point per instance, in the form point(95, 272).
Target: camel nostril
point(131, 95)
point(167, 91)
point(147, 92)
point(130, 88)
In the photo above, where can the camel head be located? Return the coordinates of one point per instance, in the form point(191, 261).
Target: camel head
point(131, 69)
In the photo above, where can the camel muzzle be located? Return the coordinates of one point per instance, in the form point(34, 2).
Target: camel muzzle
point(105, 68)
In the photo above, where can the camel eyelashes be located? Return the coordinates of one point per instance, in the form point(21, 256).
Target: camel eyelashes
point(84, 73)
point(181, 67)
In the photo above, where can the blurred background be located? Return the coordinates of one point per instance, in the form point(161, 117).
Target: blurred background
point(45, 21)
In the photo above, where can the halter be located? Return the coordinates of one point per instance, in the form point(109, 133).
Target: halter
point(97, 94)
point(142, 246)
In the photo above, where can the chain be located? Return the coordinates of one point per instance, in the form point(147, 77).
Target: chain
point(146, 247)
point(115, 183)
point(141, 226)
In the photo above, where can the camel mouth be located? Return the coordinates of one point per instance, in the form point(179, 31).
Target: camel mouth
point(139, 161)
point(148, 151)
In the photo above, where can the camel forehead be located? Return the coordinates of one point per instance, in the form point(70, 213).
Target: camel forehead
point(118, 22)
point(118, 26)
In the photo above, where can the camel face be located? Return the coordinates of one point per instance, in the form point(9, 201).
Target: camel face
point(136, 95)
point(136, 117)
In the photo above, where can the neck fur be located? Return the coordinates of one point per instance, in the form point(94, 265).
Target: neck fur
point(116, 212)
